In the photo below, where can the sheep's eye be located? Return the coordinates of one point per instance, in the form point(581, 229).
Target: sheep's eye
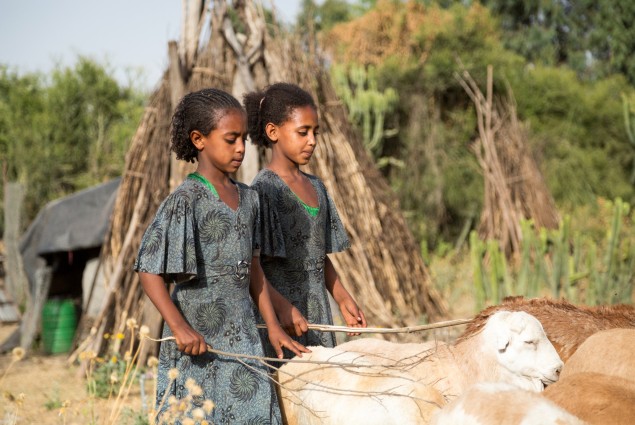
point(531, 342)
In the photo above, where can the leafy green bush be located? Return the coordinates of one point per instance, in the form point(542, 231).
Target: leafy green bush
point(66, 132)
point(577, 130)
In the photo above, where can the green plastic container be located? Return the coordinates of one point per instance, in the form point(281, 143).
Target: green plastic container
point(59, 322)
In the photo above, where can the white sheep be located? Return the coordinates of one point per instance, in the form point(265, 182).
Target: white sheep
point(333, 394)
point(499, 403)
point(511, 348)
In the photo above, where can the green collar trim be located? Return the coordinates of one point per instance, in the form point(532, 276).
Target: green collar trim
point(313, 211)
point(197, 176)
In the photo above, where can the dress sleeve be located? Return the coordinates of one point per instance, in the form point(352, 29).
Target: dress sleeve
point(271, 239)
point(168, 246)
point(336, 237)
point(257, 231)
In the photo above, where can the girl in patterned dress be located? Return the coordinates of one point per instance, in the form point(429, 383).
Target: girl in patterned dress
point(300, 224)
point(202, 239)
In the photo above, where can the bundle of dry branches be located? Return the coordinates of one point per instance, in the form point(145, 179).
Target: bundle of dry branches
point(383, 269)
point(514, 186)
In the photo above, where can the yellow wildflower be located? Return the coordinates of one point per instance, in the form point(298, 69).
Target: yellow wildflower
point(208, 406)
point(153, 361)
point(189, 383)
point(20, 400)
point(196, 391)
point(87, 355)
point(119, 335)
point(198, 414)
point(65, 406)
point(173, 374)
point(18, 354)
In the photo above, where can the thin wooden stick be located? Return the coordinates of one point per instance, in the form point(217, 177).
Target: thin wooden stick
point(332, 328)
point(407, 329)
point(260, 358)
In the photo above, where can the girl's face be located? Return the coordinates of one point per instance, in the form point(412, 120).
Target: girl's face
point(295, 139)
point(224, 147)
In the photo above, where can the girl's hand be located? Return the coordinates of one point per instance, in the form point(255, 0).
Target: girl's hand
point(279, 339)
point(292, 321)
point(290, 318)
point(189, 341)
point(352, 315)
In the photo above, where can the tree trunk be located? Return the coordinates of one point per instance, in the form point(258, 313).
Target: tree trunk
point(15, 279)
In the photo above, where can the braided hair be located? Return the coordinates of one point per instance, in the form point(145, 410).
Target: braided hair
point(200, 111)
point(274, 104)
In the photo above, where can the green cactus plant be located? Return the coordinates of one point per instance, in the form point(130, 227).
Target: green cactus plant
point(628, 108)
point(477, 251)
point(562, 262)
point(368, 106)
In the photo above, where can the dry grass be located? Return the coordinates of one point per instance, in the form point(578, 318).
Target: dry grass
point(47, 383)
point(50, 390)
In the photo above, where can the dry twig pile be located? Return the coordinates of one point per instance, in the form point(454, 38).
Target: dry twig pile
point(514, 186)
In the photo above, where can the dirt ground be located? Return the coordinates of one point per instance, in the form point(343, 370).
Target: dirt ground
point(49, 381)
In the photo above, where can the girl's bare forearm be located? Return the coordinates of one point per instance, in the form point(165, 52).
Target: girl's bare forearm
point(333, 283)
point(155, 289)
point(259, 290)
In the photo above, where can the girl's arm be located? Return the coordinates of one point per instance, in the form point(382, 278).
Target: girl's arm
point(187, 339)
point(259, 289)
point(291, 320)
point(352, 314)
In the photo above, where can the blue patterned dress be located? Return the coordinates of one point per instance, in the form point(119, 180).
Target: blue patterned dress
point(201, 244)
point(293, 247)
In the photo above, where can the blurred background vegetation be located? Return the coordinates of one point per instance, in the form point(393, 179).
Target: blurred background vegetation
point(570, 67)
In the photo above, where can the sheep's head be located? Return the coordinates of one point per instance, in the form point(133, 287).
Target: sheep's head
point(525, 355)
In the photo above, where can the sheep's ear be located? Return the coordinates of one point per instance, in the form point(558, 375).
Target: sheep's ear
point(503, 339)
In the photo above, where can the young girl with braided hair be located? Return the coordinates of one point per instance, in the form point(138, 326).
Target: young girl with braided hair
point(300, 224)
point(202, 239)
